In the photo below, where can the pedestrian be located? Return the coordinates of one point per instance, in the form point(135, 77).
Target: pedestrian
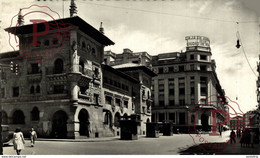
point(33, 137)
point(252, 138)
point(247, 138)
point(232, 136)
point(242, 140)
point(18, 141)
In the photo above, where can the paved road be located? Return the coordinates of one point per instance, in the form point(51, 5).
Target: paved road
point(163, 145)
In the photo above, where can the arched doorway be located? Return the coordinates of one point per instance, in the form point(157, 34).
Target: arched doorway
point(83, 122)
point(117, 119)
point(108, 118)
point(58, 66)
point(205, 122)
point(59, 124)
point(4, 118)
point(35, 114)
point(18, 117)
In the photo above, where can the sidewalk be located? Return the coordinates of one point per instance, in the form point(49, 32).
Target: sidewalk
point(103, 139)
point(221, 148)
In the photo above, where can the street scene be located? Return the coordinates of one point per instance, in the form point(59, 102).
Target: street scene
point(129, 78)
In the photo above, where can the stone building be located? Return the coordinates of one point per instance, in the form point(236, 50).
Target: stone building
point(186, 79)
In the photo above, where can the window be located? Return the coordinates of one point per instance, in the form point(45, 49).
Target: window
point(118, 102)
point(58, 66)
point(83, 45)
point(192, 90)
point(82, 89)
point(38, 89)
point(126, 104)
point(117, 119)
point(203, 91)
point(171, 69)
point(108, 100)
point(136, 61)
point(38, 44)
point(203, 67)
point(182, 101)
point(35, 68)
point(81, 67)
point(161, 85)
point(108, 118)
point(172, 117)
point(47, 43)
point(160, 70)
point(171, 103)
point(181, 91)
point(55, 41)
point(96, 96)
point(181, 68)
point(35, 114)
point(171, 92)
point(203, 80)
point(15, 91)
point(203, 57)
point(192, 67)
point(192, 120)
point(58, 89)
point(161, 117)
point(192, 57)
point(93, 51)
point(32, 90)
point(2, 93)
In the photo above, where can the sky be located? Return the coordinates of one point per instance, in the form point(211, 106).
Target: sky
point(161, 26)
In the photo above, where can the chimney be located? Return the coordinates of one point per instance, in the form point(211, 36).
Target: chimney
point(73, 9)
point(101, 29)
point(20, 19)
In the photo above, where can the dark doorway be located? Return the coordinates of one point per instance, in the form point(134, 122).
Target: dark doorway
point(58, 66)
point(182, 118)
point(59, 124)
point(4, 118)
point(18, 117)
point(205, 122)
point(83, 123)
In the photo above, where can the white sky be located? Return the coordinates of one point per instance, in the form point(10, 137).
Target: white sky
point(161, 27)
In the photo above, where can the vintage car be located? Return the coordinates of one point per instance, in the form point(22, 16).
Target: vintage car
point(7, 135)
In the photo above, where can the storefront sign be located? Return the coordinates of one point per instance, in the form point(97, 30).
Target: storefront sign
point(197, 41)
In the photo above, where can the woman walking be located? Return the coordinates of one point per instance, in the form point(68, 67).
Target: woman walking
point(18, 141)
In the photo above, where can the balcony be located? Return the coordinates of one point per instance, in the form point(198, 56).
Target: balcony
point(34, 77)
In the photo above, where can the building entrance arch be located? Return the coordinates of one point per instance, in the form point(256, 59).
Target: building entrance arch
point(59, 124)
point(83, 122)
point(205, 122)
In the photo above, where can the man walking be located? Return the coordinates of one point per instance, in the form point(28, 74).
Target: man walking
point(233, 136)
point(33, 137)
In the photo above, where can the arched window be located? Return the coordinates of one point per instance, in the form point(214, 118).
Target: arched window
point(83, 45)
point(81, 67)
point(4, 118)
point(58, 66)
point(93, 51)
point(32, 90)
point(47, 43)
point(108, 118)
point(18, 117)
point(38, 89)
point(35, 114)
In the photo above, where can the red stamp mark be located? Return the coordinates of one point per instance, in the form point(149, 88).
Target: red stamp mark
point(42, 38)
point(212, 116)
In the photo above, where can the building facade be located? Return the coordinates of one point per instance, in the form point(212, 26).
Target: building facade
point(184, 80)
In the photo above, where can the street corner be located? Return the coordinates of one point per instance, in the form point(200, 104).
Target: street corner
point(211, 117)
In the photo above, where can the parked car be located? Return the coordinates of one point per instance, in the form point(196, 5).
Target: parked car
point(7, 135)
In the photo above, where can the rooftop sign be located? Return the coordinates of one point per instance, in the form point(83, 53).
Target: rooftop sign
point(197, 41)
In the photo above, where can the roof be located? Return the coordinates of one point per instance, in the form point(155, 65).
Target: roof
point(123, 75)
point(9, 54)
point(133, 66)
point(76, 21)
